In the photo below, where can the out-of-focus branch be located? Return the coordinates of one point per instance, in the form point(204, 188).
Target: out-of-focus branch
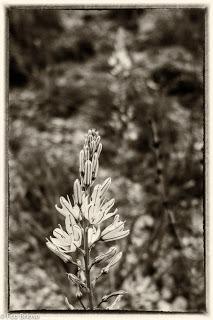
point(167, 213)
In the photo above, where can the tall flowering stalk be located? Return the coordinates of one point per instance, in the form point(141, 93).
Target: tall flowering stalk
point(85, 226)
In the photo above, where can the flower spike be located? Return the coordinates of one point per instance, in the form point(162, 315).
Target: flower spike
point(83, 228)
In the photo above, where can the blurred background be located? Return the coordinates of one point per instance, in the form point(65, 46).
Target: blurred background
point(114, 70)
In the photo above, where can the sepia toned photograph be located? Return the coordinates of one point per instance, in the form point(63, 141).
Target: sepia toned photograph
point(106, 114)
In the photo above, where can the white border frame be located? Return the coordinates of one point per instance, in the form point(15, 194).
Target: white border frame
point(209, 178)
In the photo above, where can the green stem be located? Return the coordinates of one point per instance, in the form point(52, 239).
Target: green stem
point(87, 269)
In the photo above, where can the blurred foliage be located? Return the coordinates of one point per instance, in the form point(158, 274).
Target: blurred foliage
point(70, 70)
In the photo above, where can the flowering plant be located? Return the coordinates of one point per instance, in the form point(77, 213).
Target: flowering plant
point(83, 228)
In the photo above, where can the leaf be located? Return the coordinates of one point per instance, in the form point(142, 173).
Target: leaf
point(116, 293)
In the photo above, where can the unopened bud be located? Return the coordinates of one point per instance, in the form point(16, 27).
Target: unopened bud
point(78, 293)
point(94, 164)
point(113, 294)
point(97, 141)
point(114, 304)
point(69, 305)
point(88, 173)
point(90, 139)
point(106, 256)
point(81, 162)
point(112, 262)
point(96, 170)
point(77, 281)
point(77, 192)
point(86, 153)
point(93, 146)
point(99, 149)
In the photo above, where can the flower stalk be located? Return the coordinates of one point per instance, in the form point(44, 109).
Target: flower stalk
point(84, 221)
point(87, 270)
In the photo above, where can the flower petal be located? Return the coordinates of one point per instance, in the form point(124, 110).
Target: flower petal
point(54, 249)
point(117, 236)
point(109, 215)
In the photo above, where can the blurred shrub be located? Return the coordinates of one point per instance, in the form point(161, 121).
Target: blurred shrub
point(184, 27)
point(30, 32)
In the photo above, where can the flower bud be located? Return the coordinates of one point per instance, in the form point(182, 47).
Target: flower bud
point(90, 138)
point(69, 305)
point(88, 173)
point(105, 186)
point(97, 141)
point(81, 162)
point(76, 281)
point(96, 170)
point(65, 257)
point(114, 304)
point(99, 149)
point(77, 192)
point(106, 256)
point(78, 293)
point(112, 262)
point(113, 294)
point(93, 146)
point(94, 161)
point(95, 165)
point(86, 153)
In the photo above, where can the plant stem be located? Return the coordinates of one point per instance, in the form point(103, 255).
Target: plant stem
point(87, 269)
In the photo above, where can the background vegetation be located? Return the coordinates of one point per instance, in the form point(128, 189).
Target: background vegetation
point(114, 70)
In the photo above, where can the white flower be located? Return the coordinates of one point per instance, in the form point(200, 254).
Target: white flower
point(85, 206)
point(93, 235)
point(67, 242)
point(68, 209)
point(105, 186)
point(114, 231)
point(65, 257)
point(97, 211)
